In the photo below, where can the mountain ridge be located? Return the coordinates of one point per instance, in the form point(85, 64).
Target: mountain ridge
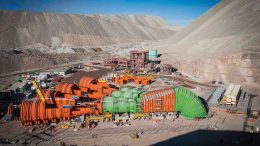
point(223, 44)
point(21, 29)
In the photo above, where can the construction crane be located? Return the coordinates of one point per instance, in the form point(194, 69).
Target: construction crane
point(38, 90)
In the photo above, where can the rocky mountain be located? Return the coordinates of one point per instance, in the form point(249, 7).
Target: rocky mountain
point(223, 44)
point(51, 30)
point(35, 40)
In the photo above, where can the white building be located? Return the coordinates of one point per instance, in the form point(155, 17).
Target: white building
point(231, 94)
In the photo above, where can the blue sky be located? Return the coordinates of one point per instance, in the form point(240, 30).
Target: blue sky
point(177, 12)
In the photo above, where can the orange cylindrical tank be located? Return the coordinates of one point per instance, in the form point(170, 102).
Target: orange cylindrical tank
point(103, 84)
point(171, 102)
point(10, 109)
point(108, 91)
point(143, 104)
point(154, 109)
point(149, 101)
point(81, 111)
point(77, 92)
point(68, 95)
point(167, 102)
point(50, 96)
point(66, 88)
point(99, 106)
point(158, 101)
point(86, 81)
point(170, 106)
point(163, 102)
point(42, 107)
point(36, 111)
point(84, 89)
point(22, 112)
point(96, 95)
point(62, 101)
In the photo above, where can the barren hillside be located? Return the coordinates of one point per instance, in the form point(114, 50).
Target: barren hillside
point(35, 40)
point(223, 44)
point(30, 30)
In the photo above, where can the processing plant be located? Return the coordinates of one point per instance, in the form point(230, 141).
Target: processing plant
point(91, 97)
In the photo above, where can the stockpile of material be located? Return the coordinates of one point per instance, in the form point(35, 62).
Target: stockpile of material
point(189, 104)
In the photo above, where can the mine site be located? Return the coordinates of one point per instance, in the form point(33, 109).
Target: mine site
point(127, 73)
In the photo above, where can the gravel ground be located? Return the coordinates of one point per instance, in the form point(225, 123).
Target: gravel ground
point(150, 132)
point(96, 73)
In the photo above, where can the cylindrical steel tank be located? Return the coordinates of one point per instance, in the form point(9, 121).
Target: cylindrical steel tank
point(134, 90)
point(33, 111)
point(162, 100)
point(116, 94)
point(132, 106)
point(123, 105)
point(128, 95)
point(67, 88)
point(126, 89)
point(152, 53)
point(108, 105)
point(87, 81)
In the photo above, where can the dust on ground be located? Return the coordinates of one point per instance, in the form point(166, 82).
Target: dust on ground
point(96, 73)
point(140, 132)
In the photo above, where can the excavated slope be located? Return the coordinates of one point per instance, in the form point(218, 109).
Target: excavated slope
point(30, 30)
point(223, 44)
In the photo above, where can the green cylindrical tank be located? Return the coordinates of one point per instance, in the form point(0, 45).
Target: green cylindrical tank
point(108, 105)
point(153, 53)
point(135, 96)
point(138, 104)
point(115, 107)
point(139, 101)
point(128, 95)
point(132, 106)
point(126, 89)
point(189, 104)
point(116, 94)
point(123, 105)
point(134, 90)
